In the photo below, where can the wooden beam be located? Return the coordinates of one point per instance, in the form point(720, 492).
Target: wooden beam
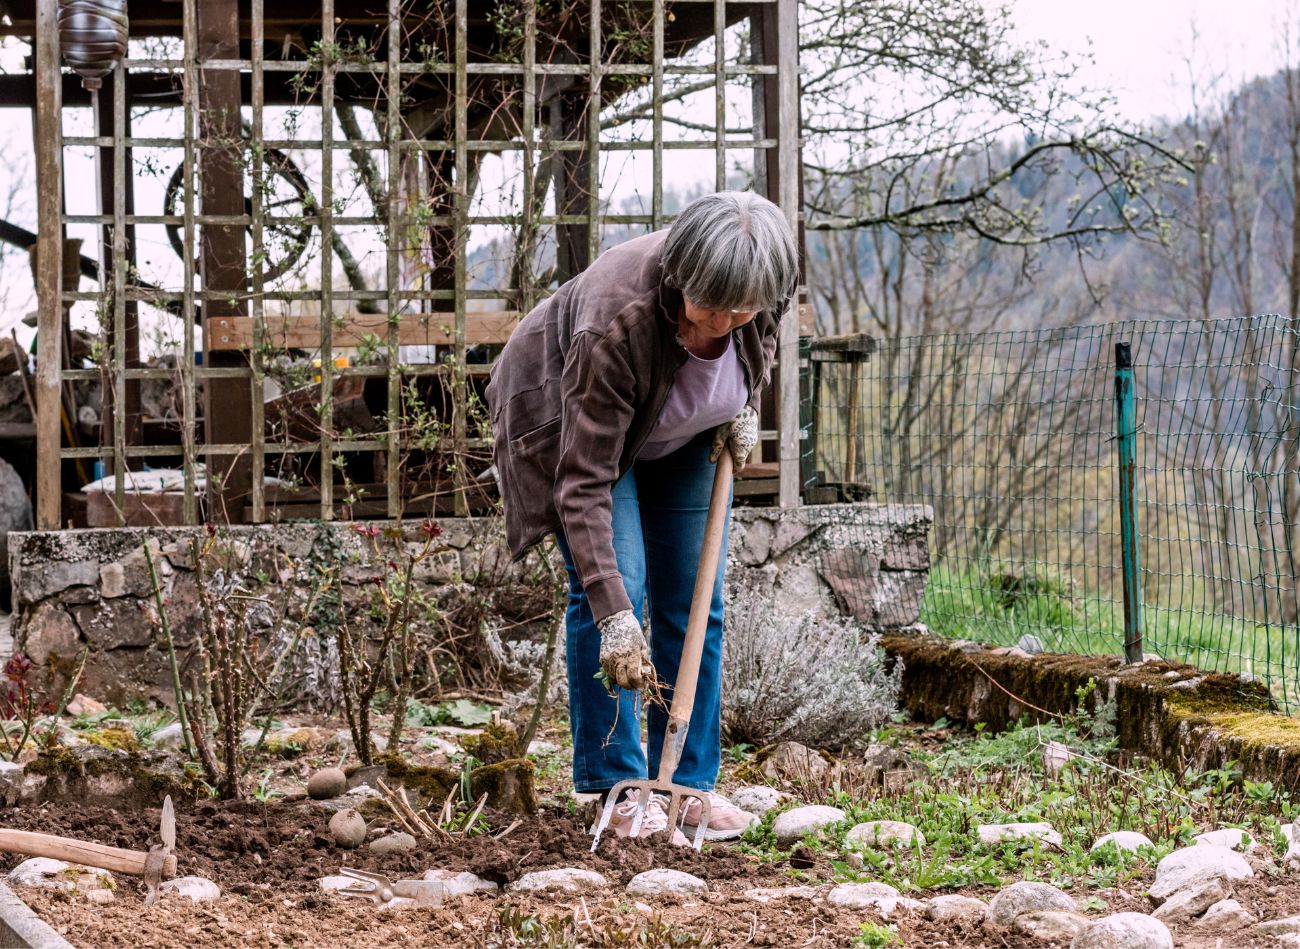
point(49, 265)
point(789, 184)
point(239, 333)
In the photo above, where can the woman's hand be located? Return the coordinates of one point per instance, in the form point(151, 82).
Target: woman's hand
point(624, 654)
point(740, 435)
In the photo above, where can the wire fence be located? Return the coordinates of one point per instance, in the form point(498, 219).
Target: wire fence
point(1011, 437)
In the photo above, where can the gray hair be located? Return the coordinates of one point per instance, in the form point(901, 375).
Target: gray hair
point(732, 250)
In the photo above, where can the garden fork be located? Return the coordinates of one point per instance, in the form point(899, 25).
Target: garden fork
point(688, 672)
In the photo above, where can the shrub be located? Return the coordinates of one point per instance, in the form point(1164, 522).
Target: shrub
point(820, 680)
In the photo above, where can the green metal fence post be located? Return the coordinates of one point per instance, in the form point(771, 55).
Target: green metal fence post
point(1125, 435)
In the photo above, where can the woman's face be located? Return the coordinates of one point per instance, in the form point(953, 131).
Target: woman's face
point(715, 324)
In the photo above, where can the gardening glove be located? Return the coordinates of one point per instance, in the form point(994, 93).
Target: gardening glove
point(740, 435)
point(624, 655)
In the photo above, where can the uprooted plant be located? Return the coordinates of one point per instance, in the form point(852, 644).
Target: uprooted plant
point(815, 679)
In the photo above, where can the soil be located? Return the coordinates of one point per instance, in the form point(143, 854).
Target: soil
point(267, 858)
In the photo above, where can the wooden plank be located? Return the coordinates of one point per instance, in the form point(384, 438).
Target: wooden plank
point(49, 264)
point(789, 191)
point(235, 333)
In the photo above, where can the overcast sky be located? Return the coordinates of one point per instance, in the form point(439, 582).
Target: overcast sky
point(1139, 45)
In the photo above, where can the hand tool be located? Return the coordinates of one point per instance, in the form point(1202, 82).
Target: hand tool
point(380, 890)
point(116, 859)
point(688, 671)
point(158, 853)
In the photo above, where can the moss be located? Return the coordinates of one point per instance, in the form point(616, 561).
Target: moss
point(114, 739)
point(293, 744)
point(434, 784)
point(509, 785)
point(68, 772)
point(373, 809)
point(496, 743)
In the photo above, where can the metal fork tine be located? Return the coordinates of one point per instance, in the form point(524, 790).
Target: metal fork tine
point(643, 802)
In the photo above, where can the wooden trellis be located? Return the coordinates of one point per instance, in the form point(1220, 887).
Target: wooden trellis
point(423, 78)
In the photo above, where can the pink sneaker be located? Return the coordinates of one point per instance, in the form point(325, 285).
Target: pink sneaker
point(654, 821)
point(726, 820)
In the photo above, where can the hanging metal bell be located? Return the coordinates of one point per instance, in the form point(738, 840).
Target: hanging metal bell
point(92, 34)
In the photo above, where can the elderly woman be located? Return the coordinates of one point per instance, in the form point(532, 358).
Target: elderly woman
point(610, 405)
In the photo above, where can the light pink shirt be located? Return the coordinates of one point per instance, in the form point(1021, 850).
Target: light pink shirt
point(705, 393)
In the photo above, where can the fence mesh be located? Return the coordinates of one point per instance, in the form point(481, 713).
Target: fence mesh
point(1011, 438)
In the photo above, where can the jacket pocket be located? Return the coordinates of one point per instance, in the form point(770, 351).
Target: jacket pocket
point(534, 438)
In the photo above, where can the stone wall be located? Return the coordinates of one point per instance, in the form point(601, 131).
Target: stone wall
point(91, 588)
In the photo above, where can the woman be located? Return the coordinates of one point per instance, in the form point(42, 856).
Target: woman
point(610, 405)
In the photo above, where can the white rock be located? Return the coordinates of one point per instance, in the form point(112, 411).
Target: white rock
point(539, 747)
point(399, 842)
point(884, 834)
point(11, 782)
point(198, 889)
point(168, 737)
point(1031, 644)
point(1027, 897)
point(1227, 913)
point(46, 872)
point(560, 880)
point(794, 824)
point(758, 799)
point(1280, 927)
point(766, 894)
point(101, 896)
point(1193, 900)
point(878, 896)
point(1049, 925)
point(1124, 931)
point(1055, 757)
point(665, 882)
point(1234, 838)
point(944, 908)
point(993, 834)
point(460, 884)
point(332, 884)
point(1184, 868)
point(442, 746)
point(397, 902)
point(1123, 840)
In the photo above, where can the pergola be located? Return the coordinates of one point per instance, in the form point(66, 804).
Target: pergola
point(406, 104)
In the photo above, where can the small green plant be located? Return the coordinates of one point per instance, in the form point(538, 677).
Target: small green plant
point(876, 935)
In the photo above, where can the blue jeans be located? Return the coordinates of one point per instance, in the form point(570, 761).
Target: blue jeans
point(659, 510)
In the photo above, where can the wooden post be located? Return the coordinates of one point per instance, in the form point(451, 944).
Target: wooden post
point(789, 196)
point(49, 265)
point(227, 412)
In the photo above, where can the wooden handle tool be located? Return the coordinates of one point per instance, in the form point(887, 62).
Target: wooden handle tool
point(115, 859)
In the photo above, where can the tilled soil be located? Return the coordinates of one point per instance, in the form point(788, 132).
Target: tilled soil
point(267, 859)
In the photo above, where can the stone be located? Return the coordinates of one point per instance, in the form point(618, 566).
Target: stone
point(1184, 868)
point(49, 632)
point(878, 896)
point(794, 824)
point(11, 782)
point(55, 576)
point(197, 889)
point(944, 908)
point(1027, 897)
point(766, 894)
point(993, 834)
point(1124, 931)
point(1272, 927)
point(45, 872)
point(101, 897)
point(1227, 914)
point(348, 828)
point(573, 880)
point(1049, 925)
point(15, 515)
point(1193, 900)
point(888, 766)
point(168, 737)
point(326, 783)
point(757, 799)
point(1127, 840)
point(1030, 644)
point(85, 705)
point(884, 834)
point(540, 748)
point(1234, 838)
point(399, 842)
point(112, 580)
point(114, 624)
point(461, 884)
point(789, 759)
point(664, 882)
point(441, 745)
point(1055, 757)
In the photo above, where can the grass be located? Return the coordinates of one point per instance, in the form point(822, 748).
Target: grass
point(978, 779)
point(994, 605)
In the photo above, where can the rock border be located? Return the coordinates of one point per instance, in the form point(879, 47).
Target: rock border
point(20, 926)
